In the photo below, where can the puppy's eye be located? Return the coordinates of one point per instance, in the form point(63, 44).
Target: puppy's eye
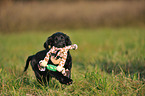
point(62, 37)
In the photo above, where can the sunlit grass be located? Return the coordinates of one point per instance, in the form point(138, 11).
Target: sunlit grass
point(108, 62)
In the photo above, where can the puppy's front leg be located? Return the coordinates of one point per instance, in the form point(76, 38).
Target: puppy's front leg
point(62, 79)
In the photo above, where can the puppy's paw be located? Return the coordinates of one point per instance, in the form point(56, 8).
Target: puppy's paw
point(70, 81)
point(66, 81)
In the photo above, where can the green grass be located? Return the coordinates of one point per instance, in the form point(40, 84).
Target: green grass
point(108, 62)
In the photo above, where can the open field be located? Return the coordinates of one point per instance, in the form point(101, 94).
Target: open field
point(108, 62)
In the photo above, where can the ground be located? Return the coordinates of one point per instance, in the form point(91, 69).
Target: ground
point(108, 61)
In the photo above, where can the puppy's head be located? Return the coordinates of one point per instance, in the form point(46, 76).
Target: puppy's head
point(58, 40)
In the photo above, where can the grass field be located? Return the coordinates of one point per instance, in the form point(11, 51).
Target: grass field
point(109, 61)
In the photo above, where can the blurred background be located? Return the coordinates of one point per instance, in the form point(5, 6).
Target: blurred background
point(20, 15)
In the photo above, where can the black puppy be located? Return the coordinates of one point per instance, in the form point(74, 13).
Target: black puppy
point(59, 40)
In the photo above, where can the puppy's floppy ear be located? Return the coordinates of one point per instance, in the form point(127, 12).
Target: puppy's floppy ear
point(67, 40)
point(48, 43)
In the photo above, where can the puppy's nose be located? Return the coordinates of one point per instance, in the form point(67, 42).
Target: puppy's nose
point(60, 45)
